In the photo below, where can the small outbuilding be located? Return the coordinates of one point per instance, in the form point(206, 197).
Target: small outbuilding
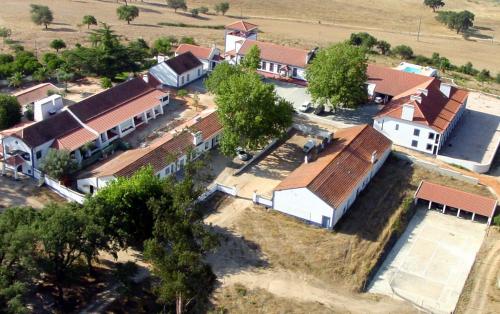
point(178, 71)
point(450, 199)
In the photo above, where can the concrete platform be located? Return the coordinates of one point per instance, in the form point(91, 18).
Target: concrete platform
point(430, 263)
point(475, 140)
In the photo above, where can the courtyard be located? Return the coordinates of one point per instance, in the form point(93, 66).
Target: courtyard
point(430, 262)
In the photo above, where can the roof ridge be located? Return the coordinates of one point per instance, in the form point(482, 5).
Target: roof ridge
point(336, 154)
point(274, 44)
point(465, 192)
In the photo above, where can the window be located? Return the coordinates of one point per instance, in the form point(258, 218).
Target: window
point(259, 66)
point(429, 147)
point(199, 72)
point(39, 154)
point(294, 72)
point(187, 77)
point(397, 126)
point(278, 68)
point(263, 65)
point(182, 80)
point(103, 137)
point(271, 67)
point(414, 143)
point(416, 132)
point(206, 145)
point(431, 135)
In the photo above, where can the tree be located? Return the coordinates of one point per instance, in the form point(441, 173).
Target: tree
point(484, 76)
point(180, 239)
point(177, 4)
point(434, 4)
point(162, 46)
point(404, 51)
point(10, 111)
point(250, 111)
point(196, 100)
point(127, 13)
point(57, 44)
point(66, 234)
point(251, 60)
point(194, 12)
point(182, 93)
point(58, 164)
point(41, 15)
point(5, 33)
point(363, 39)
point(89, 20)
point(17, 257)
point(122, 207)
point(458, 21)
point(384, 47)
point(41, 75)
point(337, 76)
point(16, 79)
point(216, 80)
point(65, 77)
point(187, 40)
point(203, 10)
point(106, 82)
point(222, 7)
point(468, 69)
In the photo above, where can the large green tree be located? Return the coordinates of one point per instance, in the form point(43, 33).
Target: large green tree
point(250, 111)
point(89, 20)
point(363, 39)
point(10, 111)
point(434, 4)
point(58, 164)
point(41, 15)
point(222, 7)
point(337, 76)
point(127, 13)
point(403, 51)
point(252, 58)
point(177, 4)
point(163, 46)
point(180, 240)
point(457, 21)
point(57, 44)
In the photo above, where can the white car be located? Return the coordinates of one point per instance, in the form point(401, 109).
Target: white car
point(308, 146)
point(378, 100)
point(305, 106)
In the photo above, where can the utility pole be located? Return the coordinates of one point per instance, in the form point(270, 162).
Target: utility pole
point(419, 24)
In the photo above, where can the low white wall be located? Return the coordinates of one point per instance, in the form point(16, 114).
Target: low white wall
point(470, 165)
point(65, 192)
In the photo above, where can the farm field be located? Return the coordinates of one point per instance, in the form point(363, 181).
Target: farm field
point(288, 22)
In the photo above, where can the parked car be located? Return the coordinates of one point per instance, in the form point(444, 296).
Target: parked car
point(305, 106)
point(243, 155)
point(308, 146)
point(378, 100)
point(319, 109)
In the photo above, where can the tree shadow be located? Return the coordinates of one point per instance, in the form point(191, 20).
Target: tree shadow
point(146, 25)
point(61, 29)
point(475, 33)
point(198, 17)
point(59, 23)
point(148, 10)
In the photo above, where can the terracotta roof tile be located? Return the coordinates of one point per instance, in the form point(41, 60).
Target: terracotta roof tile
point(341, 166)
point(393, 82)
point(197, 51)
point(35, 93)
point(241, 26)
point(74, 140)
point(455, 198)
point(277, 53)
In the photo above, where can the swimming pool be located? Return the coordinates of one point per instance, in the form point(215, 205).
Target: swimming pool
point(412, 70)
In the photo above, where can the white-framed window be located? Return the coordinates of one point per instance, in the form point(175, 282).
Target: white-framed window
point(188, 77)
point(206, 145)
point(416, 132)
point(263, 65)
point(397, 126)
point(199, 72)
point(431, 135)
point(414, 143)
point(271, 67)
point(182, 80)
point(429, 147)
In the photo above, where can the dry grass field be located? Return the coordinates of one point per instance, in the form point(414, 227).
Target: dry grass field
point(297, 23)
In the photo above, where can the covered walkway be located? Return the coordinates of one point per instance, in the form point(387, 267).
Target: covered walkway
point(454, 200)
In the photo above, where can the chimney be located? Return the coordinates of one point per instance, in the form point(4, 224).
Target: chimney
point(416, 98)
point(445, 89)
point(424, 91)
point(145, 77)
point(197, 138)
point(374, 157)
point(407, 112)
point(306, 159)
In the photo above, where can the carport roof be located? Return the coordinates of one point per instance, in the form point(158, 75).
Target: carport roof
point(444, 195)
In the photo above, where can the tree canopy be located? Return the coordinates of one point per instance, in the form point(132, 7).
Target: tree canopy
point(384, 47)
point(403, 51)
point(57, 44)
point(250, 111)
point(127, 13)
point(58, 164)
point(458, 21)
point(41, 15)
point(434, 4)
point(162, 45)
point(10, 111)
point(89, 20)
point(337, 76)
point(363, 39)
point(177, 4)
point(251, 60)
point(222, 7)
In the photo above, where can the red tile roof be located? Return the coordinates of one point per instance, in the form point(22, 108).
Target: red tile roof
point(126, 111)
point(156, 155)
point(277, 53)
point(241, 26)
point(197, 51)
point(434, 110)
point(74, 140)
point(341, 166)
point(393, 82)
point(35, 93)
point(455, 198)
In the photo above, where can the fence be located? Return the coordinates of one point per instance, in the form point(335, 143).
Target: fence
point(65, 192)
point(259, 199)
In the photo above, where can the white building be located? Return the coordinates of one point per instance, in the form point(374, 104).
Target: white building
point(423, 112)
point(321, 191)
point(178, 71)
point(167, 155)
point(277, 61)
point(210, 57)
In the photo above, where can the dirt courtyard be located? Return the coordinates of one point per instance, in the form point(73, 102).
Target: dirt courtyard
point(317, 23)
point(431, 261)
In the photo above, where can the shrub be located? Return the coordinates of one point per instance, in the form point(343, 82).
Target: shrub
point(182, 93)
point(363, 39)
point(187, 40)
point(106, 82)
point(10, 111)
point(484, 75)
point(203, 10)
point(403, 51)
point(496, 220)
point(468, 68)
point(58, 164)
point(194, 12)
point(6, 58)
point(497, 79)
point(422, 60)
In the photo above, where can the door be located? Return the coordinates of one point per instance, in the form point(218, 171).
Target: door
point(325, 222)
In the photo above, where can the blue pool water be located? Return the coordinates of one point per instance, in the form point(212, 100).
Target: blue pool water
point(411, 70)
